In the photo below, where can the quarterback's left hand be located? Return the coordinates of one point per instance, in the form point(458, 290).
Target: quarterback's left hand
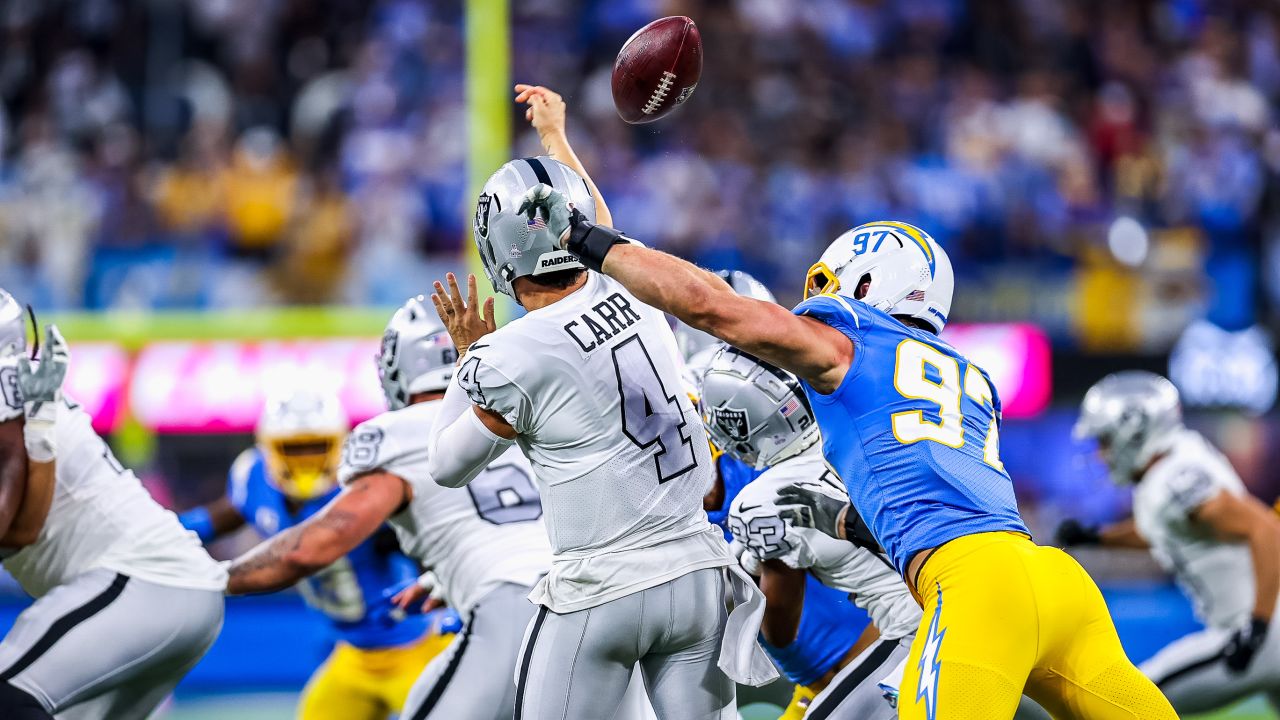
point(1244, 645)
point(466, 321)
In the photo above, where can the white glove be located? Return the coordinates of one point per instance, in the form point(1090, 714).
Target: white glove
point(41, 388)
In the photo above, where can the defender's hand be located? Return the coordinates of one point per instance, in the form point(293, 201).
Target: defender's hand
point(546, 112)
point(554, 207)
point(42, 382)
point(812, 508)
point(1244, 645)
point(1072, 532)
point(466, 321)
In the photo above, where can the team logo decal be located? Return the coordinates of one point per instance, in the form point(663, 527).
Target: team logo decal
point(390, 347)
point(482, 214)
point(733, 423)
point(931, 662)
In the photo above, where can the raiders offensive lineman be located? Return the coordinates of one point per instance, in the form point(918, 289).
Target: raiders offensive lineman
point(1201, 524)
point(757, 413)
point(587, 383)
point(485, 544)
point(127, 601)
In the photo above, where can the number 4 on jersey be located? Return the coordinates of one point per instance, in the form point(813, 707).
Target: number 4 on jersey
point(650, 415)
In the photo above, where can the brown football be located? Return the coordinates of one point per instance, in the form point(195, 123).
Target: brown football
point(657, 69)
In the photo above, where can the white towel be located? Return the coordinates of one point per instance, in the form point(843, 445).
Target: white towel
point(741, 657)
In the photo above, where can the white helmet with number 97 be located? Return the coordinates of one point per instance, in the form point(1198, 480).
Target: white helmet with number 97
point(905, 270)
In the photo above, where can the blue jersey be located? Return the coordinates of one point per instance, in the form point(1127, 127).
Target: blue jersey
point(829, 626)
point(734, 475)
point(913, 430)
point(349, 592)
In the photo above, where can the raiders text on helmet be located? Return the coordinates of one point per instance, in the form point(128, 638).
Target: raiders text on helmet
point(909, 272)
point(417, 354)
point(510, 244)
point(754, 411)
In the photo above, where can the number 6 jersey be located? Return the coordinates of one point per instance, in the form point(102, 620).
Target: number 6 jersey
point(475, 538)
point(592, 385)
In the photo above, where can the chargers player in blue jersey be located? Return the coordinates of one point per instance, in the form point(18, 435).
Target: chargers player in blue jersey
point(286, 478)
point(911, 426)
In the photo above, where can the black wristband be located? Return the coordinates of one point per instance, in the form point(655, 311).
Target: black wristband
point(857, 532)
point(592, 242)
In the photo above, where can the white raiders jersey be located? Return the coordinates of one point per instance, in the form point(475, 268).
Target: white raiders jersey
point(872, 583)
point(474, 538)
point(102, 517)
point(1217, 575)
point(592, 385)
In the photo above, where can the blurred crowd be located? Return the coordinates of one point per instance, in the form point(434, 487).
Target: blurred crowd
point(1074, 156)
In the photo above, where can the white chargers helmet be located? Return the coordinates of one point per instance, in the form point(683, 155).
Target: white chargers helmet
point(694, 343)
point(754, 411)
point(417, 354)
point(510, 244)
point(1134, 416)
point(300, 434)
point(908, 272)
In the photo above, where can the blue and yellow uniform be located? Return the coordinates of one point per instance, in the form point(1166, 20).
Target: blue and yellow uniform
point(375, 659)
point(830, 624)
point(913, 429)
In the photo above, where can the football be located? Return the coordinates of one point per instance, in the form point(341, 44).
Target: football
point(657, 69)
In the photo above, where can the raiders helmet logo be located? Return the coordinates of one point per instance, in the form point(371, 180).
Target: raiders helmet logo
point(733, 423)
point(482, 214)
point(390, 346)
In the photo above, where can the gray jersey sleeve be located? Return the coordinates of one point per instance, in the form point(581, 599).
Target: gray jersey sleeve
point(1190, 487)
point(491, 379)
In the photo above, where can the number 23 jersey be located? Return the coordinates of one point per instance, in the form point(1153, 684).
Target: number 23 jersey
point(592, 385)
point(913, 431)
point(474, 538)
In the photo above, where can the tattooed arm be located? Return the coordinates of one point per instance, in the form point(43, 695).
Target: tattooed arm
point(314, 544)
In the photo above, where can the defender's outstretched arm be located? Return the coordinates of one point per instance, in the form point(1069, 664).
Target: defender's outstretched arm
point(318, 542)
point(809, 348)
point(815, 351)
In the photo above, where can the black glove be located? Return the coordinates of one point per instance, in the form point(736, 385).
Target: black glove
point(1244, 644)
point(811, 508)
point(1071, 533)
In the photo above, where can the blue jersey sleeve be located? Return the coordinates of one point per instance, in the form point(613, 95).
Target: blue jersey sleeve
point(847, 315)
point(240, 479)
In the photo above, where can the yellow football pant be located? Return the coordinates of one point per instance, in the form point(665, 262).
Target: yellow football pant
point(1001, 613)
point(800, 700)
point(356, 684)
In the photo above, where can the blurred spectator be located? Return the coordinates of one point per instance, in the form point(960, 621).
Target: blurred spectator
point(313, 152)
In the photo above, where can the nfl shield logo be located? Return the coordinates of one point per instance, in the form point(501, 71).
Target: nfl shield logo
point(732, 422)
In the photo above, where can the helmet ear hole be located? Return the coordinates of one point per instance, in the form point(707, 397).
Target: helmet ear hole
point(864, 287)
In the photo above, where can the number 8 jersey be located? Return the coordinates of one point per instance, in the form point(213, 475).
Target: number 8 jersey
point(475, 538)
point(592, 385)
point(913, 431)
